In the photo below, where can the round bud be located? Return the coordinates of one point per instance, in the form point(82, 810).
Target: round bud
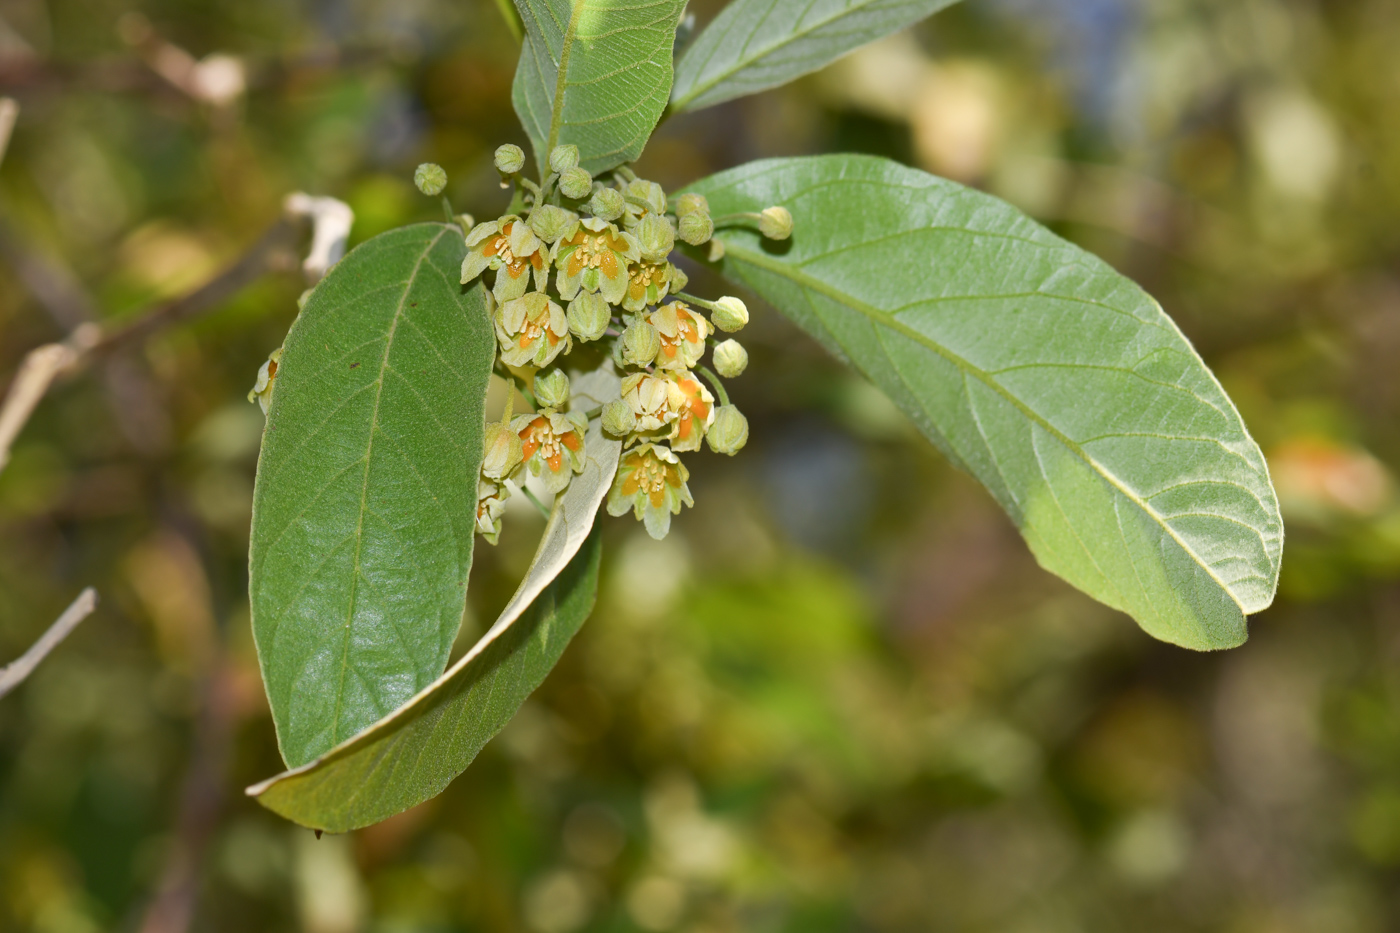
point(656, 236)
point(729, 314)
point(552, 389)
point(729, 432)
point(563, 158)
point(640, 344)
point(503, 451)
point(607, 204)
point(649, 192)
point(550, 223)
point(430, 178)
point(509, 159)
point(618, 418)
point(679, 280)
point(575, 183)
point(775, 223)
point(589, 316)
point(696, 227)
point(731, 359)
point(716, 250)
point(690, 203)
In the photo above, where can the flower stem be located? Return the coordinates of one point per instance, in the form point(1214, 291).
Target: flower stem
point(538, 504)
point(714, 381)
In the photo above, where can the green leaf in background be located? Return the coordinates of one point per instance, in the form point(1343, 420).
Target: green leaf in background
point(1054, 380)
point(364, 513)
point(414, 753)
point(753, 45)
point(594, 73)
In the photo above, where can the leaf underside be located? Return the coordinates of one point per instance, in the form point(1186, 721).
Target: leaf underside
point(753, 45)
point(1058, 383)
point(365, 504)
point(594, 73)
point(412, 754)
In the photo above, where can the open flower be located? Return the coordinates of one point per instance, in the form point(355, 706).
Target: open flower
point(533, 330)
point(490, 506)
point(694, 410)
point(647, 284)
point(512, 249)
point(683, 334)
point(651, 481)
point(552, 445)
point(594, 256)
point(647, 395)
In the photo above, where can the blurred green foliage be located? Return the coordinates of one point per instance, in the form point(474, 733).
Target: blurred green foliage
point(841, 696)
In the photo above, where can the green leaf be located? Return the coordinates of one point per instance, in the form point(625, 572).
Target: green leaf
point(414, 753)
point(1055, 381)
point(364, 513)
point(594, 73)
point(753, 45)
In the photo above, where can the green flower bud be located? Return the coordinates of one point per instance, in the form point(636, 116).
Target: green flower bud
point(552, 389)
point(775, 223)
point(618, 418)
point(607, 203)
point(731, 359)
point(563, 158)
point(690, 203)
point(716, 250)
point(729, 314)
point(696, 227)
point(729, 432)
point(509, 159)
point(640, 344)
point(656, 236)
point(550, 222)
point(575, 183)
point(589, 316)
point(649, 192)
point(679, 280)
point(430, 178)
point(503, 451)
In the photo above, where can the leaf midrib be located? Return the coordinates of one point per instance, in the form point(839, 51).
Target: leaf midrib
point(742, 63)
point(881, 317)
point(364, 488)
point(561, 80)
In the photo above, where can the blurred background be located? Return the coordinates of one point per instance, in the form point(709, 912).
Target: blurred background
point(841, 695)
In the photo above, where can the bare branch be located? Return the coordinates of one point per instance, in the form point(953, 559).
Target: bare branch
point(15, 673)
point(9, 113)
point(38, 371)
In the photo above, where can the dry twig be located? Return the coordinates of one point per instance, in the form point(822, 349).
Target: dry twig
point(12, 675)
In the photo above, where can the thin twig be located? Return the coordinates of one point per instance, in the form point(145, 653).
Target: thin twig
point(14, 674)
point(331, 222)
point(9, 113)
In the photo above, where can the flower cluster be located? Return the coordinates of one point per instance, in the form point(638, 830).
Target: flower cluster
point(577, 260)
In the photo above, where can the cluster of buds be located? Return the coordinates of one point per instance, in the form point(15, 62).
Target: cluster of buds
point(576, 260)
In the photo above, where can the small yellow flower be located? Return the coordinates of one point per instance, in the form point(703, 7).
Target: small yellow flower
point(532, 330)
point(552, 445)
point(511, 248)
point(683, 334)
point(490, 506)
point(647, 284)
point(262, 388)
point(594, 256)
point(651, 482)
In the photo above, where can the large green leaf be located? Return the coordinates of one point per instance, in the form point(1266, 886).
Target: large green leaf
point(364, 512)
point(594, 73)
point(414, 753)
point(753, 45)
point(1055, 381)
